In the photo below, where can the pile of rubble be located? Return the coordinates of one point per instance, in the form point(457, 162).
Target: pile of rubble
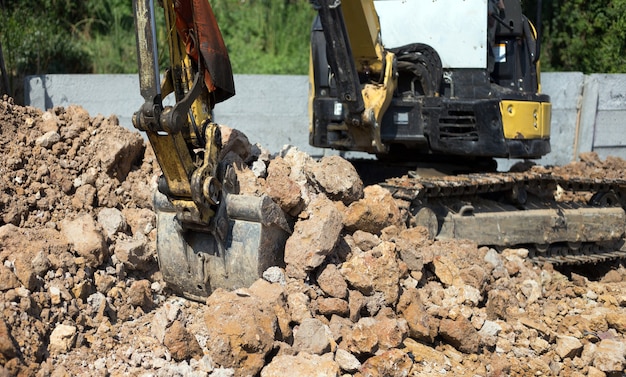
point(360, 293)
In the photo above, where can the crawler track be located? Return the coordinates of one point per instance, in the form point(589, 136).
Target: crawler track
point(527, 209)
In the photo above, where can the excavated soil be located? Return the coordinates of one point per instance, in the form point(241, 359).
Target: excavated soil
point(359, 295)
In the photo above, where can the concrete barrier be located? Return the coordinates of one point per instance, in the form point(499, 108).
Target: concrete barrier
point(588, 111)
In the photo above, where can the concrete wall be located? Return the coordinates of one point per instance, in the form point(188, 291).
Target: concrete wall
point(588, 111)
point(270, 110)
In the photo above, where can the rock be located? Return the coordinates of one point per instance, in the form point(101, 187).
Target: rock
point(229, 318)
point(425, 354)
point(8, 349)
point(347, 361)
point(362, 339)
point(274, 296)
point(259, 168)
point(568, 347)
point(613, 276)
point(609, 356)
point(501, 304)
point(274, 274)
point(461, 294)
point(373, 271)
point(181, 344)
point(103, 282)
point(235, 141)
point(391, 363)
point(117, 155)
point(312, 336)
point(447, 271)
point(365, 240)
point(298, 307)
point(55, 295)
point(48, 139)
point(140, 294)
point(84, 197)
point(301, 365)
point(374, 212)
point(140, 220)
point(595, 372)
point(49, 122)
point(112, 221)
point(413, 311)
point(617, 320)
point(531, 291)
point(40, 264)
point(134, 253)
point(489, 333)
point(390, 332)
point(82, 289)
point(331, 282)
point(62, 339)
point(315, 237)
point(163, 318)
point(328, 306)
point(370, 335)
point(300, 164)
point(87, 239)
point(25, 273)
point(409, 244)
point(8, 280)
point(282, 189)
point(338, 179)
point(356, 302)
point(460, 334)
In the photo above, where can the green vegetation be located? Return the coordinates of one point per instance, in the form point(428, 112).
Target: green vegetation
point(266, 36)
point(582, 35)
point(263, 36)
point(95, 36)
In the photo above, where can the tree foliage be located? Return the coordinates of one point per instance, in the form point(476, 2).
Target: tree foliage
point(265, 36)
point(583, 35)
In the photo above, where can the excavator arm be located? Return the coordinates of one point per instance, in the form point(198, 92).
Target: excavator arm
point(208, 236)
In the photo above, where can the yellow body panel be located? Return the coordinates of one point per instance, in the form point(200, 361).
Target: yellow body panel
point(525, 119)
point(363, 30)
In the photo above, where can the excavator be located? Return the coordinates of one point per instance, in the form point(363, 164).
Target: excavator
point(404, 80)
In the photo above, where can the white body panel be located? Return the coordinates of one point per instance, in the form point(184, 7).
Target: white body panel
point(456, 29)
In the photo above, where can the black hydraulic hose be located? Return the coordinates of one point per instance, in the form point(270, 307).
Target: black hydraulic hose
point(538, 22)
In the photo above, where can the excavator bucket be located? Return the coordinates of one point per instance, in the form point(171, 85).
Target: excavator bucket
point(208, 236)
point(250, 237)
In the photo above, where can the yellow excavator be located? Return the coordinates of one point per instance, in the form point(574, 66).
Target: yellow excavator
point(406, 80)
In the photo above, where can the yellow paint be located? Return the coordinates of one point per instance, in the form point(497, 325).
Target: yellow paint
point(525, 119)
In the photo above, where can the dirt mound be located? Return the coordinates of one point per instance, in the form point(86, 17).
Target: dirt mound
point(80, 292)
